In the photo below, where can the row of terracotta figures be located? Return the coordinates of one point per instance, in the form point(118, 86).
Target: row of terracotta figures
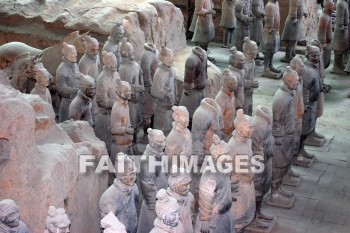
point(249, 18)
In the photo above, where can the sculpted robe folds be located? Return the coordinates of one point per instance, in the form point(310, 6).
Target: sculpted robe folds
point(242, 30)
point(111, 46)
point(226, 101)
point(257, 27)
point(67, 80)
point(341, 35)
point(122, 200)
point(204, 31)
point(89, 65)
point(324, 35)
point(239, 93)
point(271, 37)
point(249, 76)
point(80, 108)
point(292, 31)
point(228, 18)
point(283, 127)
point(44, 93)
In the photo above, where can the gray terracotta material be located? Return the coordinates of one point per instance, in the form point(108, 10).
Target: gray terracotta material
point(243, 209)
point(89, 64)
point(194, 80)
point(283, 129)
point(43, 79)
point(179, 140)
point(149, 64)
point(164, 89)
point(111, 224)
point(341, 35)
point(57, 220)
point(121, 128)
point(152, 179)
point(292, 31)
point(121, 198)
point(215, 198)
point(244, 20)
point(10, 218)
point(168, 214)
point(250, 50)
point(228, 20)
point(237, 63)
point(226, 100)
point(67, 79)
point(271, 38)
point(324, 33)
point(179, 188)
point(207, 121)
point(106, 94)
point(204, 30)
point(81, 106)
point(130, 71)
point(258, 11)
point(113, 42)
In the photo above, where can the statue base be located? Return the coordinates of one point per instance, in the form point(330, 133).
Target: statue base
point(253, 229)
point(288, 206)
point(289, 183)
point(303, 164)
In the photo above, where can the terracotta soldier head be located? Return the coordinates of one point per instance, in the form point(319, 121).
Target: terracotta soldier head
point(180, 116)
point(230, 81)
point(117, 32)
point(156, 139)
point(328, 6)
point(167, 209)
point(126, 49)
point(69, 52)
point(243, 124)
point(111, 224)
point(237, 58)
point(313, 54)
point(125, 169)
point(110, 60)
point(9, 214)
point(166, 56)
point(42, 76)
point(250, 48)
point(124, 91)
point(91, 46)
point(179, 180)
point(57, 221)
point(87, 85)
point(298, 65)
point(291, 78)
point(219, 148)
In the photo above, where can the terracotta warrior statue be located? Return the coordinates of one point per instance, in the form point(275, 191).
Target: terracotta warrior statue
point(113, 42)
point(204, 30)
point(207, 121)
point(130, 71)
point(283, 130)
point(292, 28)
point(194, 80)
point(250, 50)
point(9, 218)
point(81, 108)
point(121, 128)
point(226, 100)
point(262, 145)
point(57, 221)
point(179, 188)
point(106, 94)
point(121, 198)
point(340, 38)
point(42, 82)
point(67, 81)
point(152, 178)
point(215, 197)
point(256, 31)
point(244, 20)
point(271, 38)
point(237, 63)
point(164, 89)
point(324, 33)
point(311, 93)
point(179, 140)
point(89, 64)
point(242, 184)
point(111, 224)
point(149, 64)
point(228, 21)
point(168, 214)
